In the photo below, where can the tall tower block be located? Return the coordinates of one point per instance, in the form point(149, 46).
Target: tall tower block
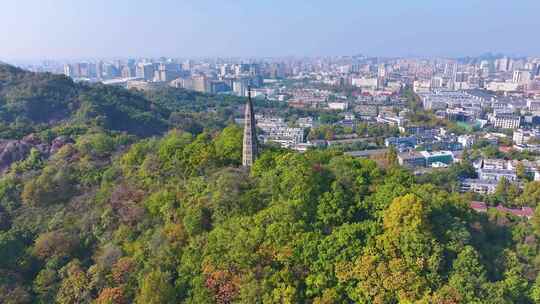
point(249, 151)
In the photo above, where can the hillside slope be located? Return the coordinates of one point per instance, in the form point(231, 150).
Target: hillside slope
point(28, 99)
point(103, 216)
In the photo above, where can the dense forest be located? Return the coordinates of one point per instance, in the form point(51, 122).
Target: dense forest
point(130, 197)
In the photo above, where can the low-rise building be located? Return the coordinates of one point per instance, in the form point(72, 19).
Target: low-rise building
point(478, 185)
point(391, 120)
point(412, 159)
point(338, 105)
point(497, 174)
point(286, 137)
point(494, 164)
point(505, 121)
point(306, 122)
point(445, 157)
point(482, 207)
point(366, 110)
point(405, 141)
point(478, 206)
point(528, 148)
point(522, 136)
point(467, 141)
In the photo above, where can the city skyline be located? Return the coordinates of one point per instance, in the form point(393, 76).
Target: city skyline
point(61, 29)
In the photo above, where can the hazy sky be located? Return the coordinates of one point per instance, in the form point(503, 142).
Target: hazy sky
point(63, 29)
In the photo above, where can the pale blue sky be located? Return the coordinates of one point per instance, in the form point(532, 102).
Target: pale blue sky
point(38, 29)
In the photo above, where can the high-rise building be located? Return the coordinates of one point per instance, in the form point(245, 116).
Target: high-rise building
point(68, 70)
point(99, 69)
point(84, 69)
point(437, 82)
point(127, 72)
point(145, 70)
point(249, 149)
point(240, 86)
point(110, 71)
point(276, 70)
point(200, 83)
point(381, 71)
point(218, 86)
point(502, 64)
point(167, 72)
point(521, 77)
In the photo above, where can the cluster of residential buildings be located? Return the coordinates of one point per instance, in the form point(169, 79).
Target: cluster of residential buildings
point(276, 130)
point(491, 171)
point(430, 139)
point(503, 74)
point(481, 108)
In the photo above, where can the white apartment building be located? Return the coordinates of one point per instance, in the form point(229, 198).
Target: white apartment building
point(467, 141)
point(521, 136)
point(371, 83)
point(505, 120)
point(338, 105)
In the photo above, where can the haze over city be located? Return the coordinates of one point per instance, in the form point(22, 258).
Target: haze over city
point(63, 29)
point(234, 151)
point(169, 151)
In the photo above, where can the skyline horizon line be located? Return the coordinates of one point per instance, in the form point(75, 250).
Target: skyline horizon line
point(254, 57)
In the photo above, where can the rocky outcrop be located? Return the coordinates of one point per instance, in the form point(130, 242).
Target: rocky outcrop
point(16, 150)
point(12, 151)
point(58, 143)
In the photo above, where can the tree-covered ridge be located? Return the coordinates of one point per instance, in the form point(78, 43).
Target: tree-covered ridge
point(174, 220)
point(35, 97)
point(37, 102)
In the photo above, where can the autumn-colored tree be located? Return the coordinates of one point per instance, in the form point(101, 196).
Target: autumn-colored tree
point(222, 284)
point(403, 263)
point(75, 287)
point(54, 244)
point(111, 296)
point(123, 270)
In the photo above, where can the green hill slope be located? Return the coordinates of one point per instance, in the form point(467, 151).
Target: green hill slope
point(111, 217)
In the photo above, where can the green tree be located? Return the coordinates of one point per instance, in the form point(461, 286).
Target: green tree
point(506, 192)
point(228, 145)
point(46, 285)
point(468, 276)
point(531, 194)
point(390, 271)
point(156, 288)
point(392, 157)
point(521, 172)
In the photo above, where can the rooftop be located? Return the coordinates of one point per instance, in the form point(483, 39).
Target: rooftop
point(527, 212)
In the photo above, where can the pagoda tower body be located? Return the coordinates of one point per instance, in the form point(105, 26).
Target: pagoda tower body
point(249, 151)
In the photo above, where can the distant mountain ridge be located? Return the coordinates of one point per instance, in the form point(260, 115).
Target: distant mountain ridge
point(42, 110)
point(28, 98)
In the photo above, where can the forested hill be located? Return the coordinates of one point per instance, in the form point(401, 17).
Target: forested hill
point(110, 216)
point(33, 102)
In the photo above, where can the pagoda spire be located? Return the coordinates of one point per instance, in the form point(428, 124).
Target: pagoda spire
point(249, 151)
